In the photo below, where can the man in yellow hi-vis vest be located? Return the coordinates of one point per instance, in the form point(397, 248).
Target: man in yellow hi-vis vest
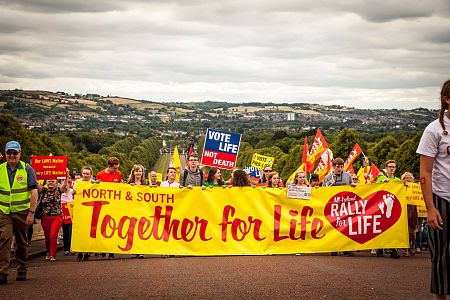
point(18, 200)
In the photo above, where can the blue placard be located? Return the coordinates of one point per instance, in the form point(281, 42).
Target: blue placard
point(254, 172)
point(221, 149)
point(222, 141)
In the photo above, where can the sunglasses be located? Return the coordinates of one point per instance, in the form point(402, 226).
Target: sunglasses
point(12, 152)
point(355, 179)
point(265, 171)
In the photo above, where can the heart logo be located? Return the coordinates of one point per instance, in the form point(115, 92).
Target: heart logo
point(363, 219)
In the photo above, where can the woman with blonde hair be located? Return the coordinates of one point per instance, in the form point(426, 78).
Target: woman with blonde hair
point(136, 176)
point(300, 179)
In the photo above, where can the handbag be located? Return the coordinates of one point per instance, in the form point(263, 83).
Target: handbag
point(39, 208)
point(38, 212)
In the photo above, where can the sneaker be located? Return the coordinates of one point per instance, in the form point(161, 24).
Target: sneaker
point(66, 253)
point(373, 252)
point(52, 258)
point(349, 253)
point(47, 257)
point(134, 256)
point(141, 256)
point(86, 256)
point(418, 250)
point(79, 257)
point(111, 256)
point(21, 276)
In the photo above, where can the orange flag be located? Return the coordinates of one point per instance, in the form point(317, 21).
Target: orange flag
point(356, 151)
point(324, 166)
point(318, 146)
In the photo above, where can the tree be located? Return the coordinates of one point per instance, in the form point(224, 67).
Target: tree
point(345, 141)
point(406, 157)
point(381, 152)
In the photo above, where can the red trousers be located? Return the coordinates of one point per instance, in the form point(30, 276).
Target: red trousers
point(51, 226)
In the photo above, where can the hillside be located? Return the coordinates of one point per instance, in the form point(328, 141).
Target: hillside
point(58, 112)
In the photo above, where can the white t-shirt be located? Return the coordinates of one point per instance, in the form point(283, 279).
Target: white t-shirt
point(435, 144)
point(167, 184)
point(67, 196)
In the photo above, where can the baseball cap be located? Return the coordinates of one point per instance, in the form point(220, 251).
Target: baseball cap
point(12, 145)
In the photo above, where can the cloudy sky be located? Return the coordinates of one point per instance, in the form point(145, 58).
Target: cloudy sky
point(366, 54)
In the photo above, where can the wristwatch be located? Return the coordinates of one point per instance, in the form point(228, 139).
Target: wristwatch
point(31, 211)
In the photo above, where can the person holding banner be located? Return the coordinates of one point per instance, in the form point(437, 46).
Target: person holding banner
point(339, 177)
point(192, 175)
point(137, 177)
point(389, 175)
point(18, 201)
point(52, 214)
point(300, 179)
point(314, 181)
point(214, 178)
point(240, 178)
point(170, 182)
point(111, 173)
point(274, 181)
point(154, 179)
point(434, 150)
point(86, 175)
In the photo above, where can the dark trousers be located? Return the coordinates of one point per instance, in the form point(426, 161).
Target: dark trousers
point(13, 224)
point(67, 236)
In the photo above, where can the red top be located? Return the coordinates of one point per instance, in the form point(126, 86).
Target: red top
point(109, 177)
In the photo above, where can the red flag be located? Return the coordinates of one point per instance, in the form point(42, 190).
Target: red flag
point(373, 173)
point(305, 150)
point(191, 149)
point(351, 170)
point(356, 151)
point(318, 146)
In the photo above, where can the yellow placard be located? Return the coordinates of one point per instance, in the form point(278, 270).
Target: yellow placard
point(120, 218)
point(414, 194)
point(261, 161)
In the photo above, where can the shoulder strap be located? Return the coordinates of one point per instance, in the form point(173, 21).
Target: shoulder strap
point(185, 175)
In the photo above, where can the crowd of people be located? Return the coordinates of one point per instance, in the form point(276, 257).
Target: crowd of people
point(22, 198)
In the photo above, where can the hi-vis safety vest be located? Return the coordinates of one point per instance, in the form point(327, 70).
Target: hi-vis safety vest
point(17, 197)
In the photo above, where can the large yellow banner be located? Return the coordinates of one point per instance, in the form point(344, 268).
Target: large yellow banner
point(120, 218)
